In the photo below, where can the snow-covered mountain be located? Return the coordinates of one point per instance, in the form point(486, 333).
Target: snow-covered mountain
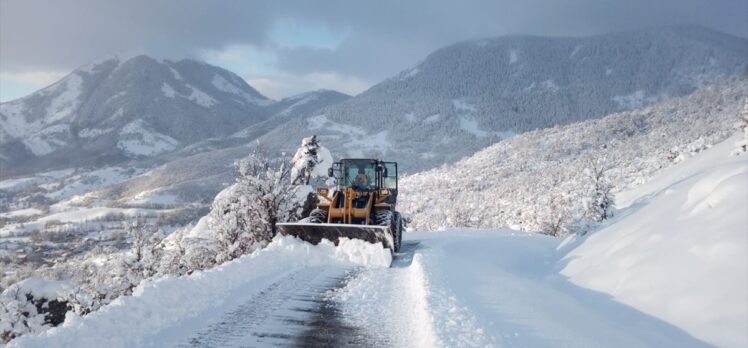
point(115, 110)
point(466, 96)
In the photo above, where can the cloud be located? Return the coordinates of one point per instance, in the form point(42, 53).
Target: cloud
point(35, 78)
point(283, 85)
point(354, 40)
point(16, 85)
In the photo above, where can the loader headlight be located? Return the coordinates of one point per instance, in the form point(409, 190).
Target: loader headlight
point(322, 191)
point(384, 192)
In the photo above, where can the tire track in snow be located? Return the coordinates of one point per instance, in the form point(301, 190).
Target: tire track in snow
point(291, 311)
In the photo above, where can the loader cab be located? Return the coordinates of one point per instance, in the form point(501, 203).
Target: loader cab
point(365, 174)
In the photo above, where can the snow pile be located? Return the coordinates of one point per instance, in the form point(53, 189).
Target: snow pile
point(162, 303)
point(679, 251)
point(395, 299)
point(50, 289)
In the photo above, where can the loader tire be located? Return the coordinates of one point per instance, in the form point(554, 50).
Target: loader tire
point(317, 216)
point(383, 217)
point(398, 231)
point(393, 220)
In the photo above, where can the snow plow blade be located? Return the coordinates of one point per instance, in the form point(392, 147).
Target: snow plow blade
point(314, 233)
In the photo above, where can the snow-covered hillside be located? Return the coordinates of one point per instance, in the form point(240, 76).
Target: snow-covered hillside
point(669, 271)
point(541, 179)
point(679, 250)
point(466, 96)
point(672, 262)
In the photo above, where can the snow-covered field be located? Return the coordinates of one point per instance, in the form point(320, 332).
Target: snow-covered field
point(669, 271)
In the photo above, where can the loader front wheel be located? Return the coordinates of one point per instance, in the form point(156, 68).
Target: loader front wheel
point(393, 221)
point(317, 216)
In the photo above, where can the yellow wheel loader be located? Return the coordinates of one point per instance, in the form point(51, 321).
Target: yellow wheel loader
point(362, 206)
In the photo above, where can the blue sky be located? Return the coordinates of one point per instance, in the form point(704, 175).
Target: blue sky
point(286, 47)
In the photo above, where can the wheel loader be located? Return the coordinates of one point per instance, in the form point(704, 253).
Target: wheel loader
point(362, 206)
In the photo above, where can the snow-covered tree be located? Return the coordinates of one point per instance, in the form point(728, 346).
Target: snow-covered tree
point(554, 217)
point(599, 204)
point(305, 162)
point(310, 161)
point(145, 250)
point(742, 125)
point(244, 215)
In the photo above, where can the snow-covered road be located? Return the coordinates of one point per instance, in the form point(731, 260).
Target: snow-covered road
point(456, 288)
point(503, 288)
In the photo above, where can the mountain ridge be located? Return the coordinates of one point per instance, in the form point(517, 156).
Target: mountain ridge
point(468, 95)
point(115, 111)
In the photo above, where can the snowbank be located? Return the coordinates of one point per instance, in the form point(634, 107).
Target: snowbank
point(679, 252)
point(163, 303)
point(49, 289)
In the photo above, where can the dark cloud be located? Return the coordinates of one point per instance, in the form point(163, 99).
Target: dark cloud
point(382, 37)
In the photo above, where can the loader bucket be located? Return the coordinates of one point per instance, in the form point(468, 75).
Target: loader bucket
point(314, 233)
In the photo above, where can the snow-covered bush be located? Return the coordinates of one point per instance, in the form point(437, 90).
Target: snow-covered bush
point(243, 217)
point(32, 306)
